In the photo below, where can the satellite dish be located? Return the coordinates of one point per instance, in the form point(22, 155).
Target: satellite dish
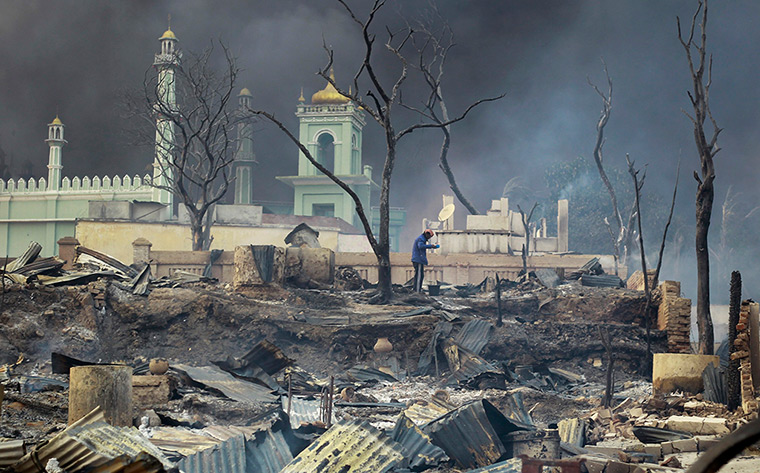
point(446, 212)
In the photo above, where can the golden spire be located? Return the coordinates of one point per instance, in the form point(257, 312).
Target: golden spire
point(168, 34)
point(301, 99)
point(329, 94)
point(56, 120)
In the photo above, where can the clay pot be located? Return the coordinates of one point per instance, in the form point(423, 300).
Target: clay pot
point(158, 366)
point(383, 345)
point(347, 394)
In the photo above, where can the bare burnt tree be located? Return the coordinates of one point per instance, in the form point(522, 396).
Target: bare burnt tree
point(656, 278)
point(638, 183)
point(621, 233)
point(527, 228)
point(700, 67)
point(381, 101)
point(196, 134)
point(432, 48)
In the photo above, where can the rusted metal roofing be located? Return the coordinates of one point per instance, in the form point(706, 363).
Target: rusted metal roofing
point(470, 435)
point(233, 388)
point(349, 447)
point(270, 450)
point(266, 451)
point(423, 412)
point(226, 432)
point(227, 457)
point(474, 335)
point(304, 411)
point(88, 443)
point(421, 453)
point(470, 366)
point(11, 451)
point(182, 441)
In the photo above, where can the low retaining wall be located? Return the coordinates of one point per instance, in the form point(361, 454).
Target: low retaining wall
point(463, 268)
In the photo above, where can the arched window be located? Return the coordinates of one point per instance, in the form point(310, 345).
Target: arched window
point(57, 133)
point(326, 151)
point(355, 164)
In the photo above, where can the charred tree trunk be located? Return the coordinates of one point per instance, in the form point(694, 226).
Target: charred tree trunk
point(609, 390)
point(733, 382)
point(699, 97)
point(705, 195)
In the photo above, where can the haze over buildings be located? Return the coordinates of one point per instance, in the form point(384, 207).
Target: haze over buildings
point(539, 53)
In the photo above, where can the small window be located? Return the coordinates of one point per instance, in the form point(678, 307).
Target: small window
point(323, 210)
point(58, 133)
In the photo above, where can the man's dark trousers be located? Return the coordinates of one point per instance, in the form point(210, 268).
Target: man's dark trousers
point(419, 274)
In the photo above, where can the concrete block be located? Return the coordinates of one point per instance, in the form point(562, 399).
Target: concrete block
point(654, 449)
point(150, 390)
point(667, 448)
point(678, 371)
point(706, 443)
point(685, 445)
point(619, 467)
point(698, 425)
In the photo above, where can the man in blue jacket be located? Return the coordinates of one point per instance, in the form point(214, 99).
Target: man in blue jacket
point(419, 257)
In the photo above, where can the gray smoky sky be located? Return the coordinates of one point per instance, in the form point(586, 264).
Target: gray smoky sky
point(75, 56)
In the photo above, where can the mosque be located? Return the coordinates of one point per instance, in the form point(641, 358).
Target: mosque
point(48, 209)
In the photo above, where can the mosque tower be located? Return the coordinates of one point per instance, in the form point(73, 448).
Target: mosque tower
point(245, 159)
point(165, 62)
point(55, 141)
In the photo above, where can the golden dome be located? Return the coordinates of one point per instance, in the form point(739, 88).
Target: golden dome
point(245, 92)
point(168, 34)
point(56, 121)
point(329, 94)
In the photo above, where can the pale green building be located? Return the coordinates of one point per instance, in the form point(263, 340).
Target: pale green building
point(331, 128)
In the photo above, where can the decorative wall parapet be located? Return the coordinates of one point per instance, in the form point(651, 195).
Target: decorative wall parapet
point(76, 185)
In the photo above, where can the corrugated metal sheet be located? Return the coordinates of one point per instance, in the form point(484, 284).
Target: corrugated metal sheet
point(421, 414)
point(513, 465)
point(267, 451)
point(474, 335)
point(233, 388)
point(270, 451)
point(470, 434)
point(302, 410)
point(227, 457)
point(348, 447)
point(470, 366)
point(226, 432)
point(181, 441)
point(268, 356)
point(420, 451)
point(88, 443)
point(11, 451)
point(143, 463)
point(111, 442)
point(66, 449)
point(601, 280)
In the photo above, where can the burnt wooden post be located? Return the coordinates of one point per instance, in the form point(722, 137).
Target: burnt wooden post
point(499, 322)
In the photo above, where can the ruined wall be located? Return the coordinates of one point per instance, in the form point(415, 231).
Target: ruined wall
point(465, 268)
point(674, 316)
point(115, 237)
point(743, 354)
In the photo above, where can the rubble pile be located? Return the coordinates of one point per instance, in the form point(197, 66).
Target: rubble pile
point(272, 379)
